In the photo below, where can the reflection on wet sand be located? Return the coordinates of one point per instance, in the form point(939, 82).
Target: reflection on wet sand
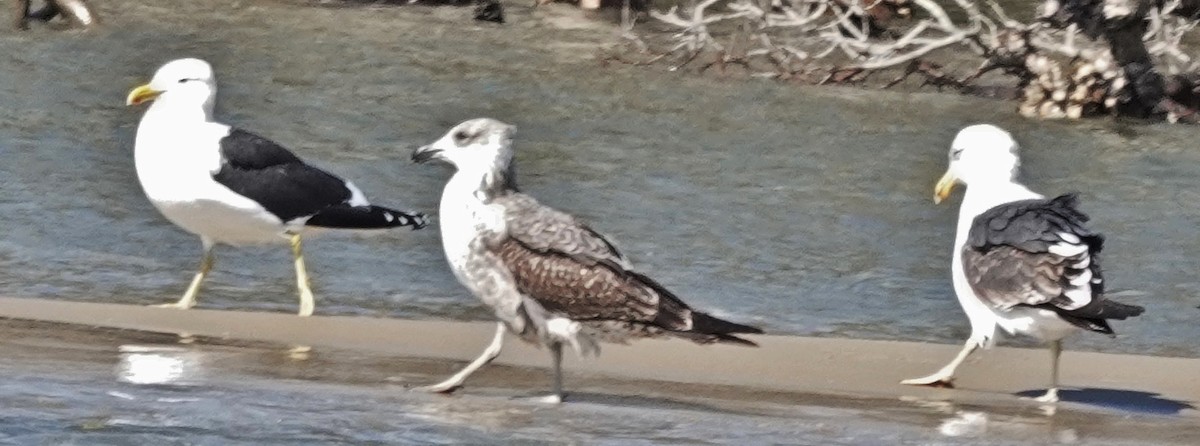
point(300, 352)
point(1038, 423)
point(967, 424)
point(162, 365)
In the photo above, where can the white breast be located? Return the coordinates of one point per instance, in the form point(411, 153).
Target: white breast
point(175, 162)
point(464, 218)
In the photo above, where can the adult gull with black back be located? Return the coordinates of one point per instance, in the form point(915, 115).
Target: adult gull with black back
point(230, 186)
point(1022, 263)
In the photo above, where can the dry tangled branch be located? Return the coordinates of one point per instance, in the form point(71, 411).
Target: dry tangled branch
point(1077, 58)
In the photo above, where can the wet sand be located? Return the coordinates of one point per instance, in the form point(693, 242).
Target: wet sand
point(782, 369)
point(72, 384)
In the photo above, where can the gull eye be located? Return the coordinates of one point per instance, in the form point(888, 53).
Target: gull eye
point(460, 136)
point(956, 153)
point(183, 81)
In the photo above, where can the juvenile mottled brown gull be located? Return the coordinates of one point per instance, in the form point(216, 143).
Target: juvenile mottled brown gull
point(227, 185)
point(1021, 263)
point(549, 278)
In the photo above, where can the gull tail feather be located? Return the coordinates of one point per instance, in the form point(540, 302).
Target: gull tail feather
point(720, 330)
point(1095, 315)
point(366, 217)
point(674, 316)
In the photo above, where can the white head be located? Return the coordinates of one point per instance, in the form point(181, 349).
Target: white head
point(182, 82)
point(981, 154)
point(479, 145)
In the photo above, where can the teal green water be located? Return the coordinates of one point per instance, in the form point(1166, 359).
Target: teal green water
point(804, 210)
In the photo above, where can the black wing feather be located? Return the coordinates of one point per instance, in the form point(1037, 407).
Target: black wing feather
point(273, 176)
point(260, 169)
point(1032, 225)
point(1009, 262)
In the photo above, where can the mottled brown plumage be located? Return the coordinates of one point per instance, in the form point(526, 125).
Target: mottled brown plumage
point(544, 229)
point(573, 271)
point(578, 289)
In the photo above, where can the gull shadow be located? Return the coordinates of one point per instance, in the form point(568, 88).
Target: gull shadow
point(1124, 400)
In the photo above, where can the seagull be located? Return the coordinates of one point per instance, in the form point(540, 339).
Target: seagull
point(549, 278)
point(1022, 263)
point(230, 186)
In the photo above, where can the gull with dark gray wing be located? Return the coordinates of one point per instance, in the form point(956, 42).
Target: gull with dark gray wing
point(1021, 263)
point(550, 278)
point(230, 186)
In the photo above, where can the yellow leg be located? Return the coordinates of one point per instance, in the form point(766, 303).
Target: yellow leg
point(302, 282)
point(189, 297)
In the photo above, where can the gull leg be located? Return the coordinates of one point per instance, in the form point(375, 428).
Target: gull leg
point(206, 262)
point(556, 355)
point(22, 16)
point(455, 382)
point(1051, 395)
point(302, 282)
point(945, 376)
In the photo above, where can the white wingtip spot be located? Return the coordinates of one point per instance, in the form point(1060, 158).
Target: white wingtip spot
point(1082, 279)
point(1079, 297)
point(1084, 263)
point(389, 217)
point(1067, 249)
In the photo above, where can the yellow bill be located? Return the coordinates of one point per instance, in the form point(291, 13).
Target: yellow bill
point(944, 186)
point(141, 94)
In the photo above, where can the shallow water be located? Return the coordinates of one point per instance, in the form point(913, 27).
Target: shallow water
point(67, 385)
point(804, 210)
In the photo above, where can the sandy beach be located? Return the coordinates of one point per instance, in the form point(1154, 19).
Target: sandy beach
point(784, 372)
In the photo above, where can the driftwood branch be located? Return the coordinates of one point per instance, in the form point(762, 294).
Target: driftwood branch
point(1077, 58)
